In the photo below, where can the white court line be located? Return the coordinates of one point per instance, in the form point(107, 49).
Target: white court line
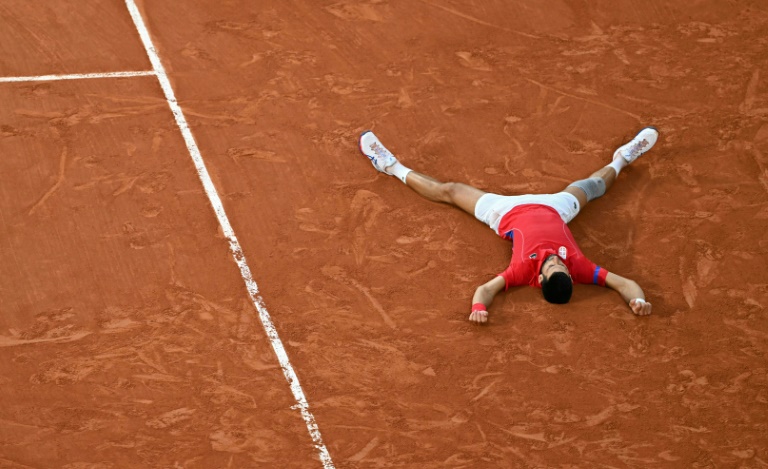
point(76, 76)
point(234, 245)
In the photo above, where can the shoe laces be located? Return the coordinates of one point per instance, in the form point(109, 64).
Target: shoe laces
point(380, 151)
point(637, 148)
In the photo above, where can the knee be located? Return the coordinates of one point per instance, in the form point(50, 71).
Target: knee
point(593, 187)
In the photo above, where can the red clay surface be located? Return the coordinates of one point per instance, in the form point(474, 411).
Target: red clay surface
point(127, 336)
point(68, 36)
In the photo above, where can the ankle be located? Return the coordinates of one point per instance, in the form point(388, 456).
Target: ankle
point(398, 170)
point(618, 164)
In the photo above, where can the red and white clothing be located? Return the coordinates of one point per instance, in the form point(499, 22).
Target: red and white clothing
point(537, 227)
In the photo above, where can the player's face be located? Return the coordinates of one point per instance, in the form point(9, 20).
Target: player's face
point(551, 265)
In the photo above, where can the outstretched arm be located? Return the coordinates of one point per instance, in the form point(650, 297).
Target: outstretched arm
point(483, 297)
point(631, 292)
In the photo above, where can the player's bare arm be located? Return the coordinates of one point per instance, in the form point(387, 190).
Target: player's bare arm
point(631, 292)
point(483, 297)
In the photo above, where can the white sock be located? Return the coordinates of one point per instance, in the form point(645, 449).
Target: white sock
point(399, 171)
point(618, 164)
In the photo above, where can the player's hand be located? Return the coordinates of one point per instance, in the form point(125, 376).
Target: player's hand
point(479, 317)
point(640, 307)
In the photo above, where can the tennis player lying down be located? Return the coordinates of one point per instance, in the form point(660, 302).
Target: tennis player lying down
point(544, 253)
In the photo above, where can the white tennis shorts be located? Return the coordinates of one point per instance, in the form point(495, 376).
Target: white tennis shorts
point(490, 208)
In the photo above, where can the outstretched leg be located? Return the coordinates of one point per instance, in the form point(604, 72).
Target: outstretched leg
point(460, 195)
point(455, 193)
point(600, 181)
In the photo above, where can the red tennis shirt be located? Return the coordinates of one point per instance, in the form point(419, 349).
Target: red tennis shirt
point(536, 232)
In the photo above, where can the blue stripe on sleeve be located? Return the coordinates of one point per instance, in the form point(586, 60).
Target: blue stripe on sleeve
point(597, 273)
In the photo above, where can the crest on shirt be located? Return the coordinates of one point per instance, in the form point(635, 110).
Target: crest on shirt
point(532, 256)
point(562, 252)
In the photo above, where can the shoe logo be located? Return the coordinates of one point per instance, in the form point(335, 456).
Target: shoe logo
point(372, 157)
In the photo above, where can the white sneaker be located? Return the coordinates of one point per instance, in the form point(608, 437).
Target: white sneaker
point(642, 142)
point(380, 157)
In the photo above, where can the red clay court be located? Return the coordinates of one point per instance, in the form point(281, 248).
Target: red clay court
point(199, 270)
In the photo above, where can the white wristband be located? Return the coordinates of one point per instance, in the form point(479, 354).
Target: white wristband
point(639, 300)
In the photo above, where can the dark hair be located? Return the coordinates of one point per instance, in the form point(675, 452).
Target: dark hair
point(558, 288)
